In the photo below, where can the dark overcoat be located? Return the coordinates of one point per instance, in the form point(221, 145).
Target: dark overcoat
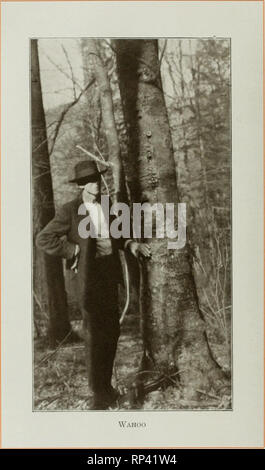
point(60, 237)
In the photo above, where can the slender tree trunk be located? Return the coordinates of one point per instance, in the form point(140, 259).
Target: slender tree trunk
point(173, 330)
point(48, 279)
point(106, 104)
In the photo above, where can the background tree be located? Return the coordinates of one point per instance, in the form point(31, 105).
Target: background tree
point(48, 279)
point(197, 74)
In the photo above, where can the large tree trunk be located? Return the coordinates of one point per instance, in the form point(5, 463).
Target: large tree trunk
point(173, 330)
point(48, 280)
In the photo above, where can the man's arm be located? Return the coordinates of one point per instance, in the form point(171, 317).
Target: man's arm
point(51, 239)
point(134, 247)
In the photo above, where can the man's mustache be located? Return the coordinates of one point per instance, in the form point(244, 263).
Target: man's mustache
point(89, 192)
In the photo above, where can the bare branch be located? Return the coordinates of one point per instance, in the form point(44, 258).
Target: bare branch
point(103, 162)
point(71, 69)
point(110, 45)
point(62, 70)
point(42, 174)
point(65, 111)
point(162, 52)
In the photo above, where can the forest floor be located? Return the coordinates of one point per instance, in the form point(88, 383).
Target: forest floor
point(60, 381)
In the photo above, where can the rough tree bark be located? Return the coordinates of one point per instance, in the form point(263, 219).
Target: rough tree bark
point(173, 329)
point(48, 271)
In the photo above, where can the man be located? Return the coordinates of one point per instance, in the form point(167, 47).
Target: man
point(95, 260)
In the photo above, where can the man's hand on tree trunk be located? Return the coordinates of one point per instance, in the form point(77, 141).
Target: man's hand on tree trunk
point(140, 249)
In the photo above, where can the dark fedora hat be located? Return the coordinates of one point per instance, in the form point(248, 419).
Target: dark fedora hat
point(86, 171)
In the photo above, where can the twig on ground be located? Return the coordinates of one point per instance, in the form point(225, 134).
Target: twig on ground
point(48, 399)
point(46, 358)
point(211, 395)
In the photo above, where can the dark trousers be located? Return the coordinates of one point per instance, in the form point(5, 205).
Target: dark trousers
point(101, 326)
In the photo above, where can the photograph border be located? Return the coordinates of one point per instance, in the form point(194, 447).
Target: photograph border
point(135, 410)
point(172, 410)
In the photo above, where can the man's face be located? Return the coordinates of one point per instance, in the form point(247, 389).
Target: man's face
point(92, 188)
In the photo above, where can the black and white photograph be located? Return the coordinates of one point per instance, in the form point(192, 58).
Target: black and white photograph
point(131, 223)
point(132, 228)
